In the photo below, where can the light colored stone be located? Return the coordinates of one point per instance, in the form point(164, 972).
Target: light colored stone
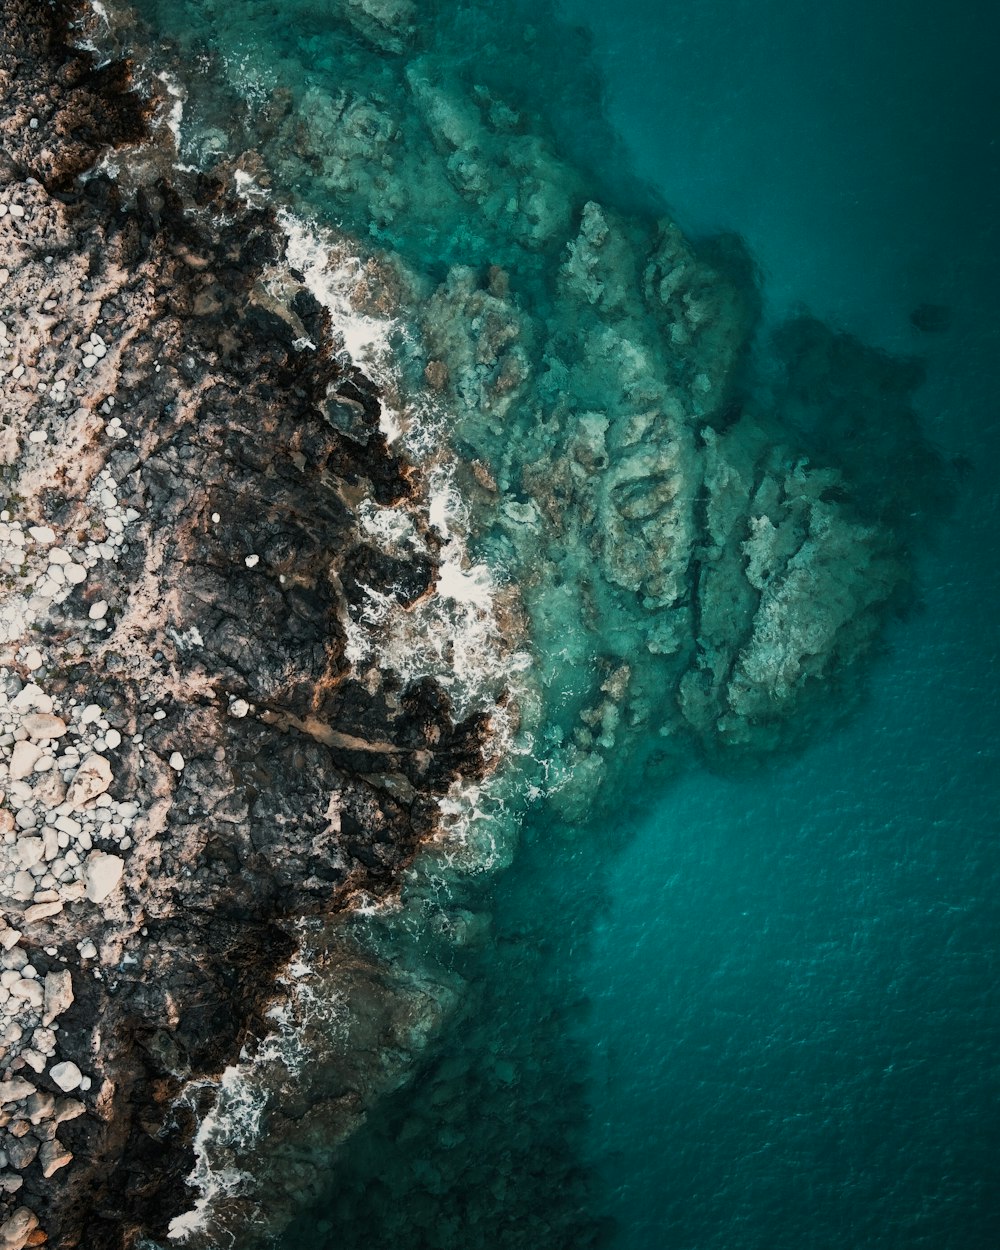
point(176, 761)
point(24, 885)
point(14, 1233)
point(98, 611)
point(42, 911)
point(43, 725)
point(102, 874)
point(58, 994)
point(66, 1075)
point(51, 790)
point(91, 779)
point(23, 759)
point(15, 1089)
point(27, 990)
point(30, 851)
point(42, 533)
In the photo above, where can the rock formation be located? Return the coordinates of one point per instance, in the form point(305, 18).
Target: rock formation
point(189, 762)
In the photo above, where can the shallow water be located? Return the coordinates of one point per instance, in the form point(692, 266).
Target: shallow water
point(736, 1008)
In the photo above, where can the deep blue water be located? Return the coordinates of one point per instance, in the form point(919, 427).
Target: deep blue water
point(796, 998)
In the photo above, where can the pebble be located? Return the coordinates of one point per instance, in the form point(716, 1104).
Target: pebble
point(66, 1075)
point(98, 610)
point(176, 761)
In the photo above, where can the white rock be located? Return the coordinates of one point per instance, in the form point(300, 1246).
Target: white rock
point(42, 533)
point(239, 708)
point(29, 991)
point(24, 885)
point(66, 1075)
point(102, 873)
point(23, 759)
point(98, 611)
point(75, 574)
point(30, 851)
point(176, 761)
point(91, 779)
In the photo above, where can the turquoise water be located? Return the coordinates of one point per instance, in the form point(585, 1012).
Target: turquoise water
point(736, 991)
point(796, 999)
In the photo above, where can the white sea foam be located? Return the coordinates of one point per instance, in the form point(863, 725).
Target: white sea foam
point(232, 1125)
point(451, 634)
point(174, 115)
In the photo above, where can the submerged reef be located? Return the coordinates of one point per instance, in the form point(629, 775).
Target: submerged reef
point(269, 445)
point(709, 522)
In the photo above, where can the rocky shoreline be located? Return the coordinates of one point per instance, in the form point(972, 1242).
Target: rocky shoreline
point(189, 760)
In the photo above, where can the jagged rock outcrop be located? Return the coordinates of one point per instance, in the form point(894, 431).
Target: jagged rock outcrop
point(192, 762)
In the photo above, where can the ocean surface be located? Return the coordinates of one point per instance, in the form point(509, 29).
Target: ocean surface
point(795, 988)
point(722, 1008)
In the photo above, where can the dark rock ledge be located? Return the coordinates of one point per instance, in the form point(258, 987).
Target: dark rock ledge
point(271, 779)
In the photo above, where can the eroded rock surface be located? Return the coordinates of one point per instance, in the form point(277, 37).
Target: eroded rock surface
point(189, 761)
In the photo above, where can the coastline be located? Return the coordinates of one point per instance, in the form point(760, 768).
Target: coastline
point(214, 766)
point(695, 571)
